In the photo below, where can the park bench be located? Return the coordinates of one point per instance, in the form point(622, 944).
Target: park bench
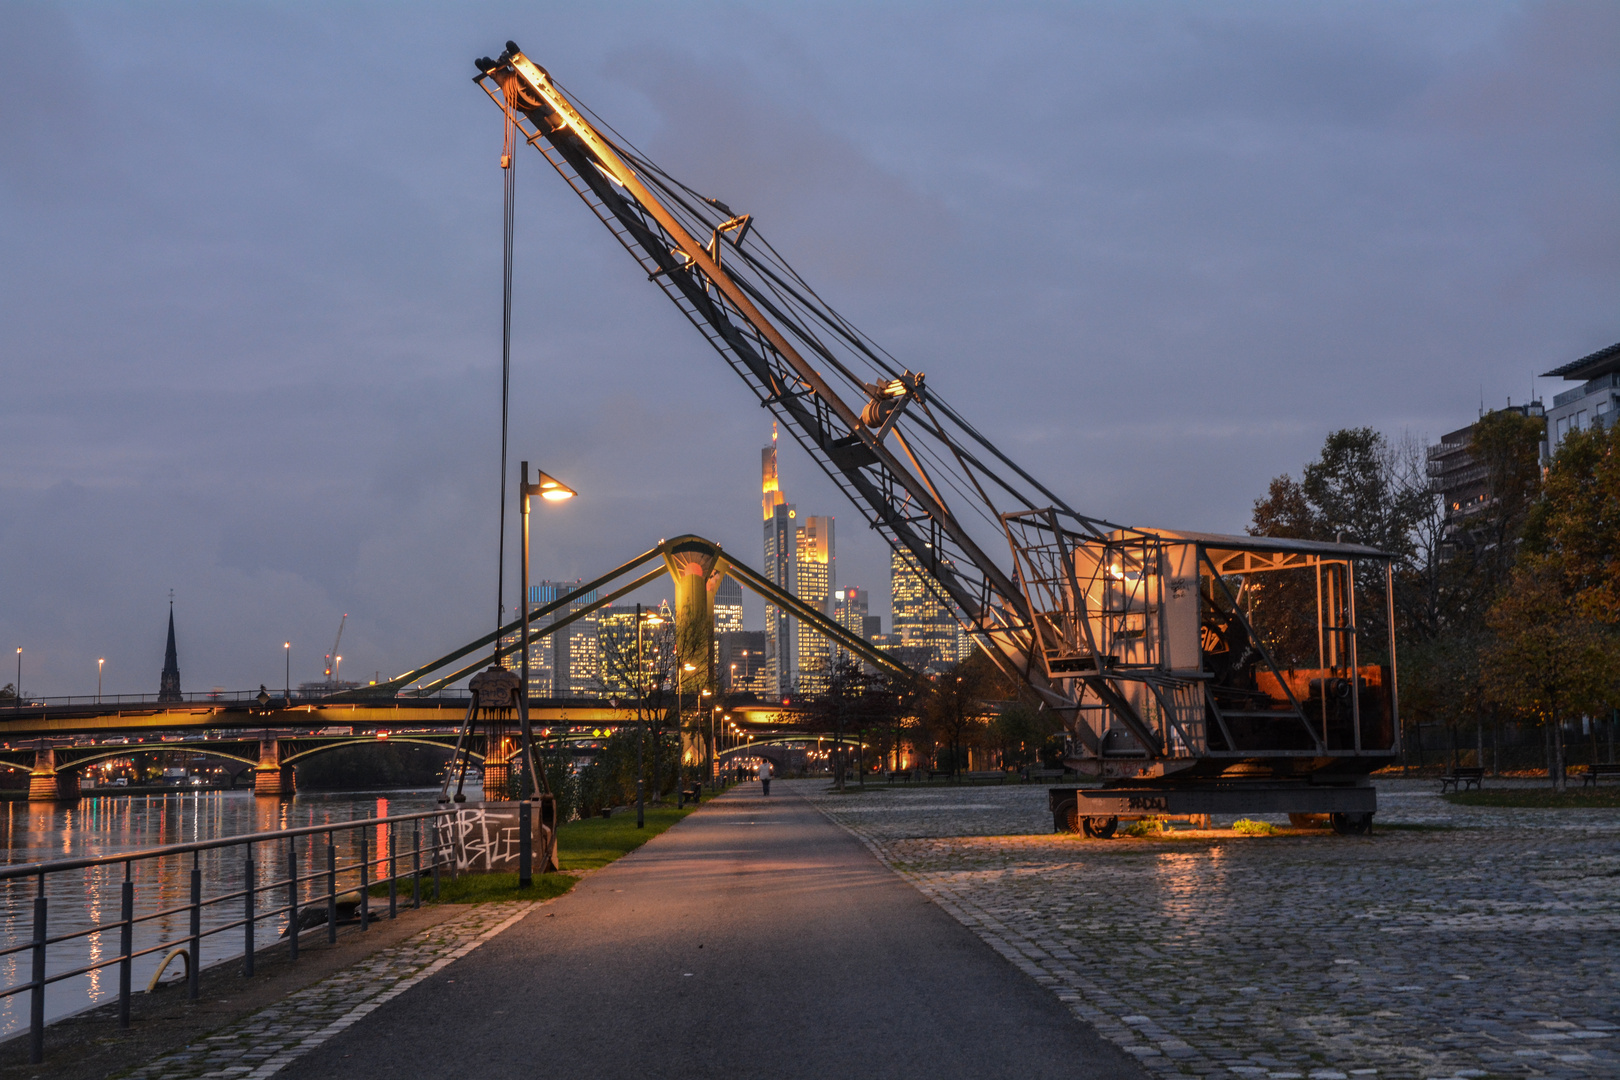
point(692, 793)
point(939, 774)
point(900, 774)
point(1596, 771)
point(1462, 780)
point(986, 774)
point(1046, 774)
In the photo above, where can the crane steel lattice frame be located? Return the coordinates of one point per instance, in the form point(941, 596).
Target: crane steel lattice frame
point(931, 484)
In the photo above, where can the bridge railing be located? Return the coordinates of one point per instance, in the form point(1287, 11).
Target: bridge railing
point(301, 884)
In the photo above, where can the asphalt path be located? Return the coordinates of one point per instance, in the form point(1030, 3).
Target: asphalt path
point(755, 938)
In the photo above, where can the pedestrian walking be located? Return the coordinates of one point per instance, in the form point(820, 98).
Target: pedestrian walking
point(765, 777)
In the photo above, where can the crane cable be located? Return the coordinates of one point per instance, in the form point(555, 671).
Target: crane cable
point(509, 168)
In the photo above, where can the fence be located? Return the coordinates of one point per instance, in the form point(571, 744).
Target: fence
point(305, 890)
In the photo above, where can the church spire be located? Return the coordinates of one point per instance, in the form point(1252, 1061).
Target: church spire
point(169, 684)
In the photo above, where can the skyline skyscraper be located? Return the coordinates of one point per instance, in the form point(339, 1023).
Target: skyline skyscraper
point(780, 570)
point(918, 618)
point(816, 577)
point(728, 606)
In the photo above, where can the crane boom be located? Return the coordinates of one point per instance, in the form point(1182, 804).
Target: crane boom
point(1117, 629)
point(332, 657)
point(902, 455)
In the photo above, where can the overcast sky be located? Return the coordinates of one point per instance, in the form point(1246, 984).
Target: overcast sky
point(250, 280)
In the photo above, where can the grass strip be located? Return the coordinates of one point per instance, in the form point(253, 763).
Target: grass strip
point(1574, 798)
point(586, 844)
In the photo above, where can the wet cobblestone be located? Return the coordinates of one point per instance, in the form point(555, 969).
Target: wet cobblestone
point(1454, 942)
point(273, 1038)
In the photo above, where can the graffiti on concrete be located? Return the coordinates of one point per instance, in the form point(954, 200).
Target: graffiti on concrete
point(482, 838)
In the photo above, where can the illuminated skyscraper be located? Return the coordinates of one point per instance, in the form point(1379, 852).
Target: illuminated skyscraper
point(728, 606)
point(780, 566)
point(816, 571)
point(919, 619)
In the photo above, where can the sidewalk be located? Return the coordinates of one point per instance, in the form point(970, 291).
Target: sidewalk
point(755, 939)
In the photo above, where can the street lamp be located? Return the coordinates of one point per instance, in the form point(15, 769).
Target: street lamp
point(648, 619)
point(16, 687)
point(337, 665)
point(550, 489)
point(99, 665)
point(286, 649)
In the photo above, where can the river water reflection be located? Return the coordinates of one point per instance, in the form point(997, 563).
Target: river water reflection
point(109, 825)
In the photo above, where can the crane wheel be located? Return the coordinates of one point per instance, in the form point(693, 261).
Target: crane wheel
point(1100, 828)
point(1351, 824)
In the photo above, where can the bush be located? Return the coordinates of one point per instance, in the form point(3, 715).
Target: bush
point(1248, 827)
point(1150, 826)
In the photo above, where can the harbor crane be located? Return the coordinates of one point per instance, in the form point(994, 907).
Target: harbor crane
point(1195, 673)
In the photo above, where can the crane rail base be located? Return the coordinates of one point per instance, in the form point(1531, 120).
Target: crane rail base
point(1125, 802)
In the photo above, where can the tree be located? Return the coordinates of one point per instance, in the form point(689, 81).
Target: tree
point(1549, 661)
point(1019, 731)
point(1576, 524)
point(955, 707)
point(1360, 490)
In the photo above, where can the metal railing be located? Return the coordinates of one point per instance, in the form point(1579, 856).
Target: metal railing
point(303, 888)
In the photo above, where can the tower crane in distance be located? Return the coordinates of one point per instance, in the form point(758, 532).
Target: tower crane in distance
point(1195, 673)
point(332, 657)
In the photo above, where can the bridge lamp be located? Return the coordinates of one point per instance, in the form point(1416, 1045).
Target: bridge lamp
point(100, 663)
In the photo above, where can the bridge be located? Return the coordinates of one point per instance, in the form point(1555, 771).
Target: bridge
point(55, 743)
point(53, 740)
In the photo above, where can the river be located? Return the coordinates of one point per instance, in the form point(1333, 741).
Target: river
point(108, 825)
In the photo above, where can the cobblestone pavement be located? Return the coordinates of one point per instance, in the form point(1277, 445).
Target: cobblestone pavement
point(269, 1040)
point(1462, 942)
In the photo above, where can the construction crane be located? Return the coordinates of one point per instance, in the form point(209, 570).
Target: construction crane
point(332, 658)
point(1144, 641)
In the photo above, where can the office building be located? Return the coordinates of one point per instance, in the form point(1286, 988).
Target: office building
point(849, 611)
point(920, 621)
point(815, 580)
point(1592, 403)
point(1463, 483)
point(728, 606)
point(780, 564)
point(742, 668)
point(619, 652)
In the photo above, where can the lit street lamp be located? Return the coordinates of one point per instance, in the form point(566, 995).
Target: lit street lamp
point(649, 619)
point(550, 489)
point(99, 665)
point(16, 687)
point(286, 650)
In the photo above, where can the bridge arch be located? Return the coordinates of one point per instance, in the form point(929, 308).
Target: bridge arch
point(446, 743)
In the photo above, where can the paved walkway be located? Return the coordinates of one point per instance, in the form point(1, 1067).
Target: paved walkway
point(755, 939)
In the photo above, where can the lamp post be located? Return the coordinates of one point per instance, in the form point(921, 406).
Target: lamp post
point(651, 619)
point(16, 687)
point(680, 709)
point(550, 489)
point(100, 663)
point(286, 654)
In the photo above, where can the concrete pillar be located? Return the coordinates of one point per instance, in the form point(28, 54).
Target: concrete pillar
point(696, 568)
point(270, 776)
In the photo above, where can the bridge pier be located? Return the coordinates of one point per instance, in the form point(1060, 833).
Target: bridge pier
point(46, 783)
point(696, 570)
point(270, 777)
